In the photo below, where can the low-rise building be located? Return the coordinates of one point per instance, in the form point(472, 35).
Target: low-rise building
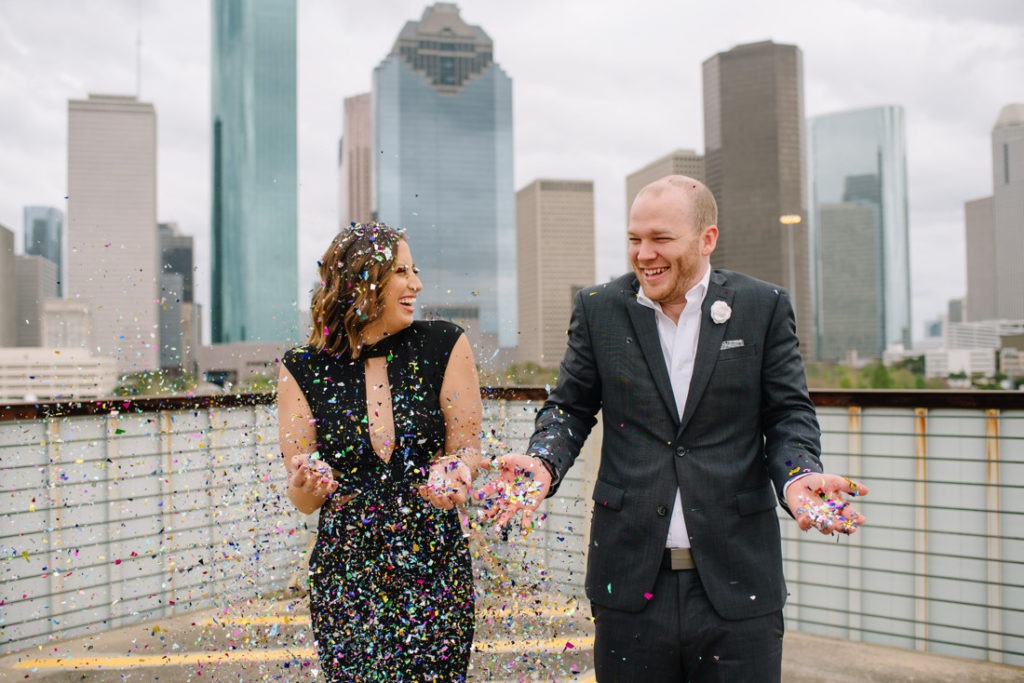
point(974, 348)
point(36, 374)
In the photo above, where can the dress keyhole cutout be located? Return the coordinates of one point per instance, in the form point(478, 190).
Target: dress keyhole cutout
point(380, 416)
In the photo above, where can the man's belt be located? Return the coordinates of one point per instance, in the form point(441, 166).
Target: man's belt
point(677, 559)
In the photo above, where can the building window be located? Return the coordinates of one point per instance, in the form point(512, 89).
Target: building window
point(447, 71)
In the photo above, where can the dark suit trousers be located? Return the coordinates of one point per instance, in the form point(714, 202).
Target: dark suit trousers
point(679, 638)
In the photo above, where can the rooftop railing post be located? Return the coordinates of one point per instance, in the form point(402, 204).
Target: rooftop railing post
point(993, 529)
point(921, 529)
point(55, 515)
point(854, 591)
point(210, 442)
point(167, 509)
point(115, 578)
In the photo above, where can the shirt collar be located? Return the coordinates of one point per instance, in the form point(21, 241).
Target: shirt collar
point(695, 294)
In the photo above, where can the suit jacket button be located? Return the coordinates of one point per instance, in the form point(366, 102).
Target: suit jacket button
point(662, 510)
point(681, 452)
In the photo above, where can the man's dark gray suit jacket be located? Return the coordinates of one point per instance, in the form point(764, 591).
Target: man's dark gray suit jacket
point(747, 428)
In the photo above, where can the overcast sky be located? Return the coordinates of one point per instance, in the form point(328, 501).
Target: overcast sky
point(600, 89)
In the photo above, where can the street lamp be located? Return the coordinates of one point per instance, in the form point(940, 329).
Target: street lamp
point(791, 220)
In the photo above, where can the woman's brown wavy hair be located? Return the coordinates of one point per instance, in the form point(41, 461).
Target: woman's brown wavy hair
point(353, 273)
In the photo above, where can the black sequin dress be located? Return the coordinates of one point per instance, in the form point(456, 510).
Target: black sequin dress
point(391, 585)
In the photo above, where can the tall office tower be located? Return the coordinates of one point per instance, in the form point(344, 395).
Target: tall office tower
point(857, 181)
point(443, 132)
point(980, 301)
point(356, 160)
point(176, 252)
point(679, 162)
point(8, 298)
point(44, 233)
point(555, 257)
point(171, 322)
point(955, 311)
point(1008, 210)
point(36, 279)
point(753, 160)
point(113, 257)
point(254, 171)
point(177, 343)
point(995, 228)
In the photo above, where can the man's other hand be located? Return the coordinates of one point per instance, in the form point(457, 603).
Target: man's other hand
point(520, 487)
point(817, 500)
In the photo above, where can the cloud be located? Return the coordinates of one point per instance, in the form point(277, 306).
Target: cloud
point(986, 13)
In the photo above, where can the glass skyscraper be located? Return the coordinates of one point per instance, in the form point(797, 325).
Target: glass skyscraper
point(857, 175)
point(443, 134)
point(254, 200)
point(44, 234)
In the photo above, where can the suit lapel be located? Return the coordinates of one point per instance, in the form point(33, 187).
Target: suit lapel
point(646, 328)
point(709, 343)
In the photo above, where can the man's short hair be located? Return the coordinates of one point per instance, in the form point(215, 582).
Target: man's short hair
point(705, 208)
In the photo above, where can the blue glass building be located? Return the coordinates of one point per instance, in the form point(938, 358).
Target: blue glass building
point(857, 175)
point(44, 234)
point(443, 133)
point(254, 218)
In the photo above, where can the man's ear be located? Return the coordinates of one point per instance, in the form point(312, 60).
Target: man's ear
point(708, 240)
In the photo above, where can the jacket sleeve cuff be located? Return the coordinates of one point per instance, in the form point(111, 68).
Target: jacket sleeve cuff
point(552, 470)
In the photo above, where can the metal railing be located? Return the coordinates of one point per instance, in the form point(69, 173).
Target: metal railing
point(115, 512)
point(940, 567)
point(136, 513)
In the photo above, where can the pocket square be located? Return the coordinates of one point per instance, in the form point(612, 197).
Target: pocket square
point(731, 344)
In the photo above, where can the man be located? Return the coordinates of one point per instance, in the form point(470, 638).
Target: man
point(707, 423)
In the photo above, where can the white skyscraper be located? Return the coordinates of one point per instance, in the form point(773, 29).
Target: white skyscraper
point(36, 279)
point(678, 162)
point(1008, 210)
point(555, 257)
point(995, 228)
point(356, 160)
point(981, 260)
point(113, 252)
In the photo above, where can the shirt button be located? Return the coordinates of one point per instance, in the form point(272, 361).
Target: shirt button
point(681, 452)
point(662, 510)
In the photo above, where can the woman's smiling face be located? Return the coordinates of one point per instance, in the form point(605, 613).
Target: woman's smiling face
point(399, 297)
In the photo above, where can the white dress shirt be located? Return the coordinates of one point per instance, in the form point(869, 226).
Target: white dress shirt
point(679, 346)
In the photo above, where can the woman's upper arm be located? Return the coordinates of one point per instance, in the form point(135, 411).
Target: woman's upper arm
point(460, 399)
point(296, 426)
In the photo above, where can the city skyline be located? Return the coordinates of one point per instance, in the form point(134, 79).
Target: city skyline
point(581, 110)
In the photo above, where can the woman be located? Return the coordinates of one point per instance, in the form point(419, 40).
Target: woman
point(380, 428)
